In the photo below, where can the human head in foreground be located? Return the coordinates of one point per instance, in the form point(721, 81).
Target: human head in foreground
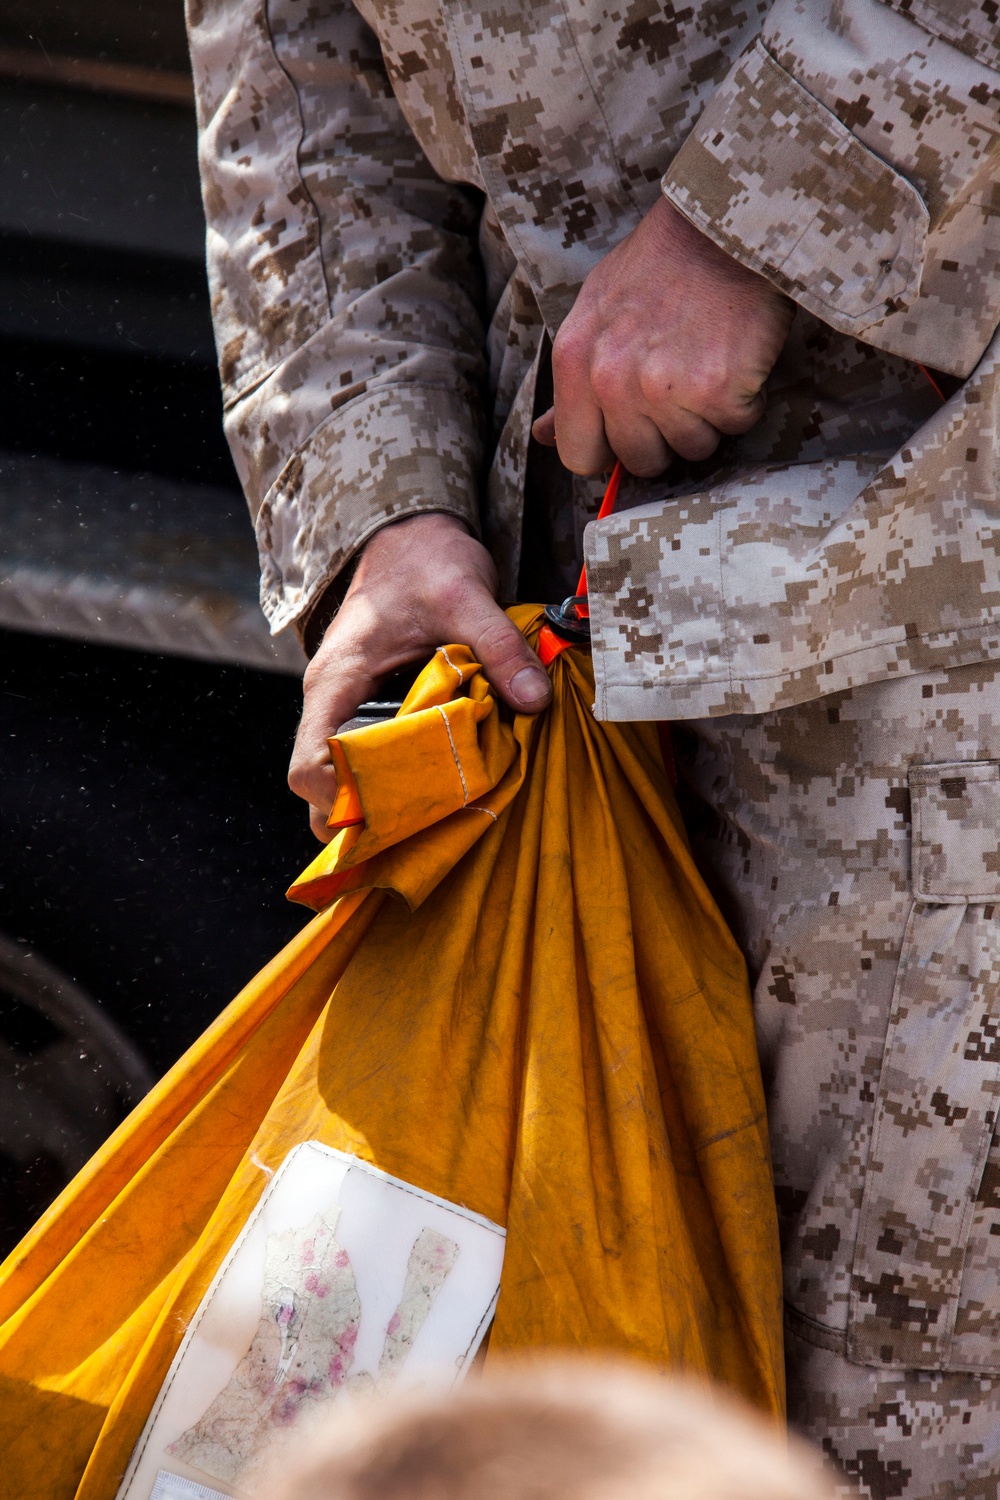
point(547, 1430)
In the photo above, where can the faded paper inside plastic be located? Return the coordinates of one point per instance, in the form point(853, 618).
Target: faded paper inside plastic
point(344, 1281)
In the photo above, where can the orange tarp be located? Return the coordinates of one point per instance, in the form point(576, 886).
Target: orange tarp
point(523, 1000)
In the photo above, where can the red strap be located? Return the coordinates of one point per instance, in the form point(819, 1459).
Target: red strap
point(924, 371)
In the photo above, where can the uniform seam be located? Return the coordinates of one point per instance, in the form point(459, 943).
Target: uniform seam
point(726, 642)
point(950, 37)
point(924, 893)
point(262, 368)
point(916, 836)
point(867, 1221)
point(625, 185)
point(266, 12)
point(511, 232)
point(945, 1336)
point(800, 1325)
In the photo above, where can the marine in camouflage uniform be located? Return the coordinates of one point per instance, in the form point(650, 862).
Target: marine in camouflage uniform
point(403, 201)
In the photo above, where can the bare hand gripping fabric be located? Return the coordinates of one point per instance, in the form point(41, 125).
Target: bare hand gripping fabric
point(550, 1032)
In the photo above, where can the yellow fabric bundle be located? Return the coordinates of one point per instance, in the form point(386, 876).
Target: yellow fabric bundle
point(552, 1027)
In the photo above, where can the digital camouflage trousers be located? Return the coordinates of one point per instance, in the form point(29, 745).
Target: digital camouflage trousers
point(854, 844)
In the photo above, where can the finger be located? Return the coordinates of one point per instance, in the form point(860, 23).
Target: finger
point(582, 442)
point(579, 421)
point(687, 433)
point(318, 825)
point(335, 684)
point(543, 429)
point(507, 659)
point(639, 444)
point(692, 407)
point(739, 415)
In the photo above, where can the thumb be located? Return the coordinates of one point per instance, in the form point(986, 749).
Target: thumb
point(507, 659)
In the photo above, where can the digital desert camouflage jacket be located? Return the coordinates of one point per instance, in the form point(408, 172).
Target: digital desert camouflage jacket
point(404, 197)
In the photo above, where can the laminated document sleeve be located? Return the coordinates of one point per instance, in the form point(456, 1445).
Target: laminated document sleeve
point(344, 1280)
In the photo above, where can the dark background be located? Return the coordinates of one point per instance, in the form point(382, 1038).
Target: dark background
point(148, 834)
point(146, 831)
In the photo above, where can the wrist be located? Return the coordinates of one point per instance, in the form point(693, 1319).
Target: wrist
point(681, 237)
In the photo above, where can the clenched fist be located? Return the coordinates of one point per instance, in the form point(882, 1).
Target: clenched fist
point(667, 347)
point(419, 584)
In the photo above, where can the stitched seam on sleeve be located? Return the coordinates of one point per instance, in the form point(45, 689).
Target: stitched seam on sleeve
point(298, 150)
point(950, 33)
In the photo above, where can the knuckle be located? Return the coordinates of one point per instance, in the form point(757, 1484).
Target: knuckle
point(609, 378)
point(645, 466)
point(743, 415)
point(584, 459)
point(710, 390)
point(658, 379)
point(299, 781)
point(570, 349)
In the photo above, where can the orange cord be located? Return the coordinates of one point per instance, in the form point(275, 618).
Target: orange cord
point(607, 506)
point(551, 645)
point(940, 393)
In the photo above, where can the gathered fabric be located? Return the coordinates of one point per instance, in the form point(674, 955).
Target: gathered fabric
point(518, 996)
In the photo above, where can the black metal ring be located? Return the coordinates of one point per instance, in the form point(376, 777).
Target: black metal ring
point(565, 621)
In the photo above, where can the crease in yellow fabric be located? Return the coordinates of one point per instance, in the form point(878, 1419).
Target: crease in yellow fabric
point(551, 1027)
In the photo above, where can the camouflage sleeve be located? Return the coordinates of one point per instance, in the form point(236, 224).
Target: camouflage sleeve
point(787, 583)
point(346, 294)
point(852, 156)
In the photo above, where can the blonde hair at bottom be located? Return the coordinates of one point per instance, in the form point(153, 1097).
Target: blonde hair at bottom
point(555, 1429)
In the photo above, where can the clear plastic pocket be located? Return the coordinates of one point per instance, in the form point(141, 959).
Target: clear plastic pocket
point(344, 1280)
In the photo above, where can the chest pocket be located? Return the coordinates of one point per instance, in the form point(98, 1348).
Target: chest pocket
point(925, 1290)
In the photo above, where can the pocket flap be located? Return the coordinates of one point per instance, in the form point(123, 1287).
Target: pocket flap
point(956, 831)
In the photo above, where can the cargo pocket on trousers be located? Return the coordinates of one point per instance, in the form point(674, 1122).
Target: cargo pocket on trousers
point(925, 1278)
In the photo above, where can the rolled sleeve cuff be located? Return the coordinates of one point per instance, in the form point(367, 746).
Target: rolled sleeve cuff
point(777, 181)
point(787, 584)
point(393, 452)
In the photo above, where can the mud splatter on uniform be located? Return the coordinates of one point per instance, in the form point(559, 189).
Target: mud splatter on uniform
point(403, 200)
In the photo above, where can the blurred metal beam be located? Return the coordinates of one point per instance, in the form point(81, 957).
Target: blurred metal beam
point(159, 85)
point(132, 560)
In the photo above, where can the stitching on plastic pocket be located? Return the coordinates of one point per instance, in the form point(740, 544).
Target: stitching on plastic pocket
point(955, 808)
